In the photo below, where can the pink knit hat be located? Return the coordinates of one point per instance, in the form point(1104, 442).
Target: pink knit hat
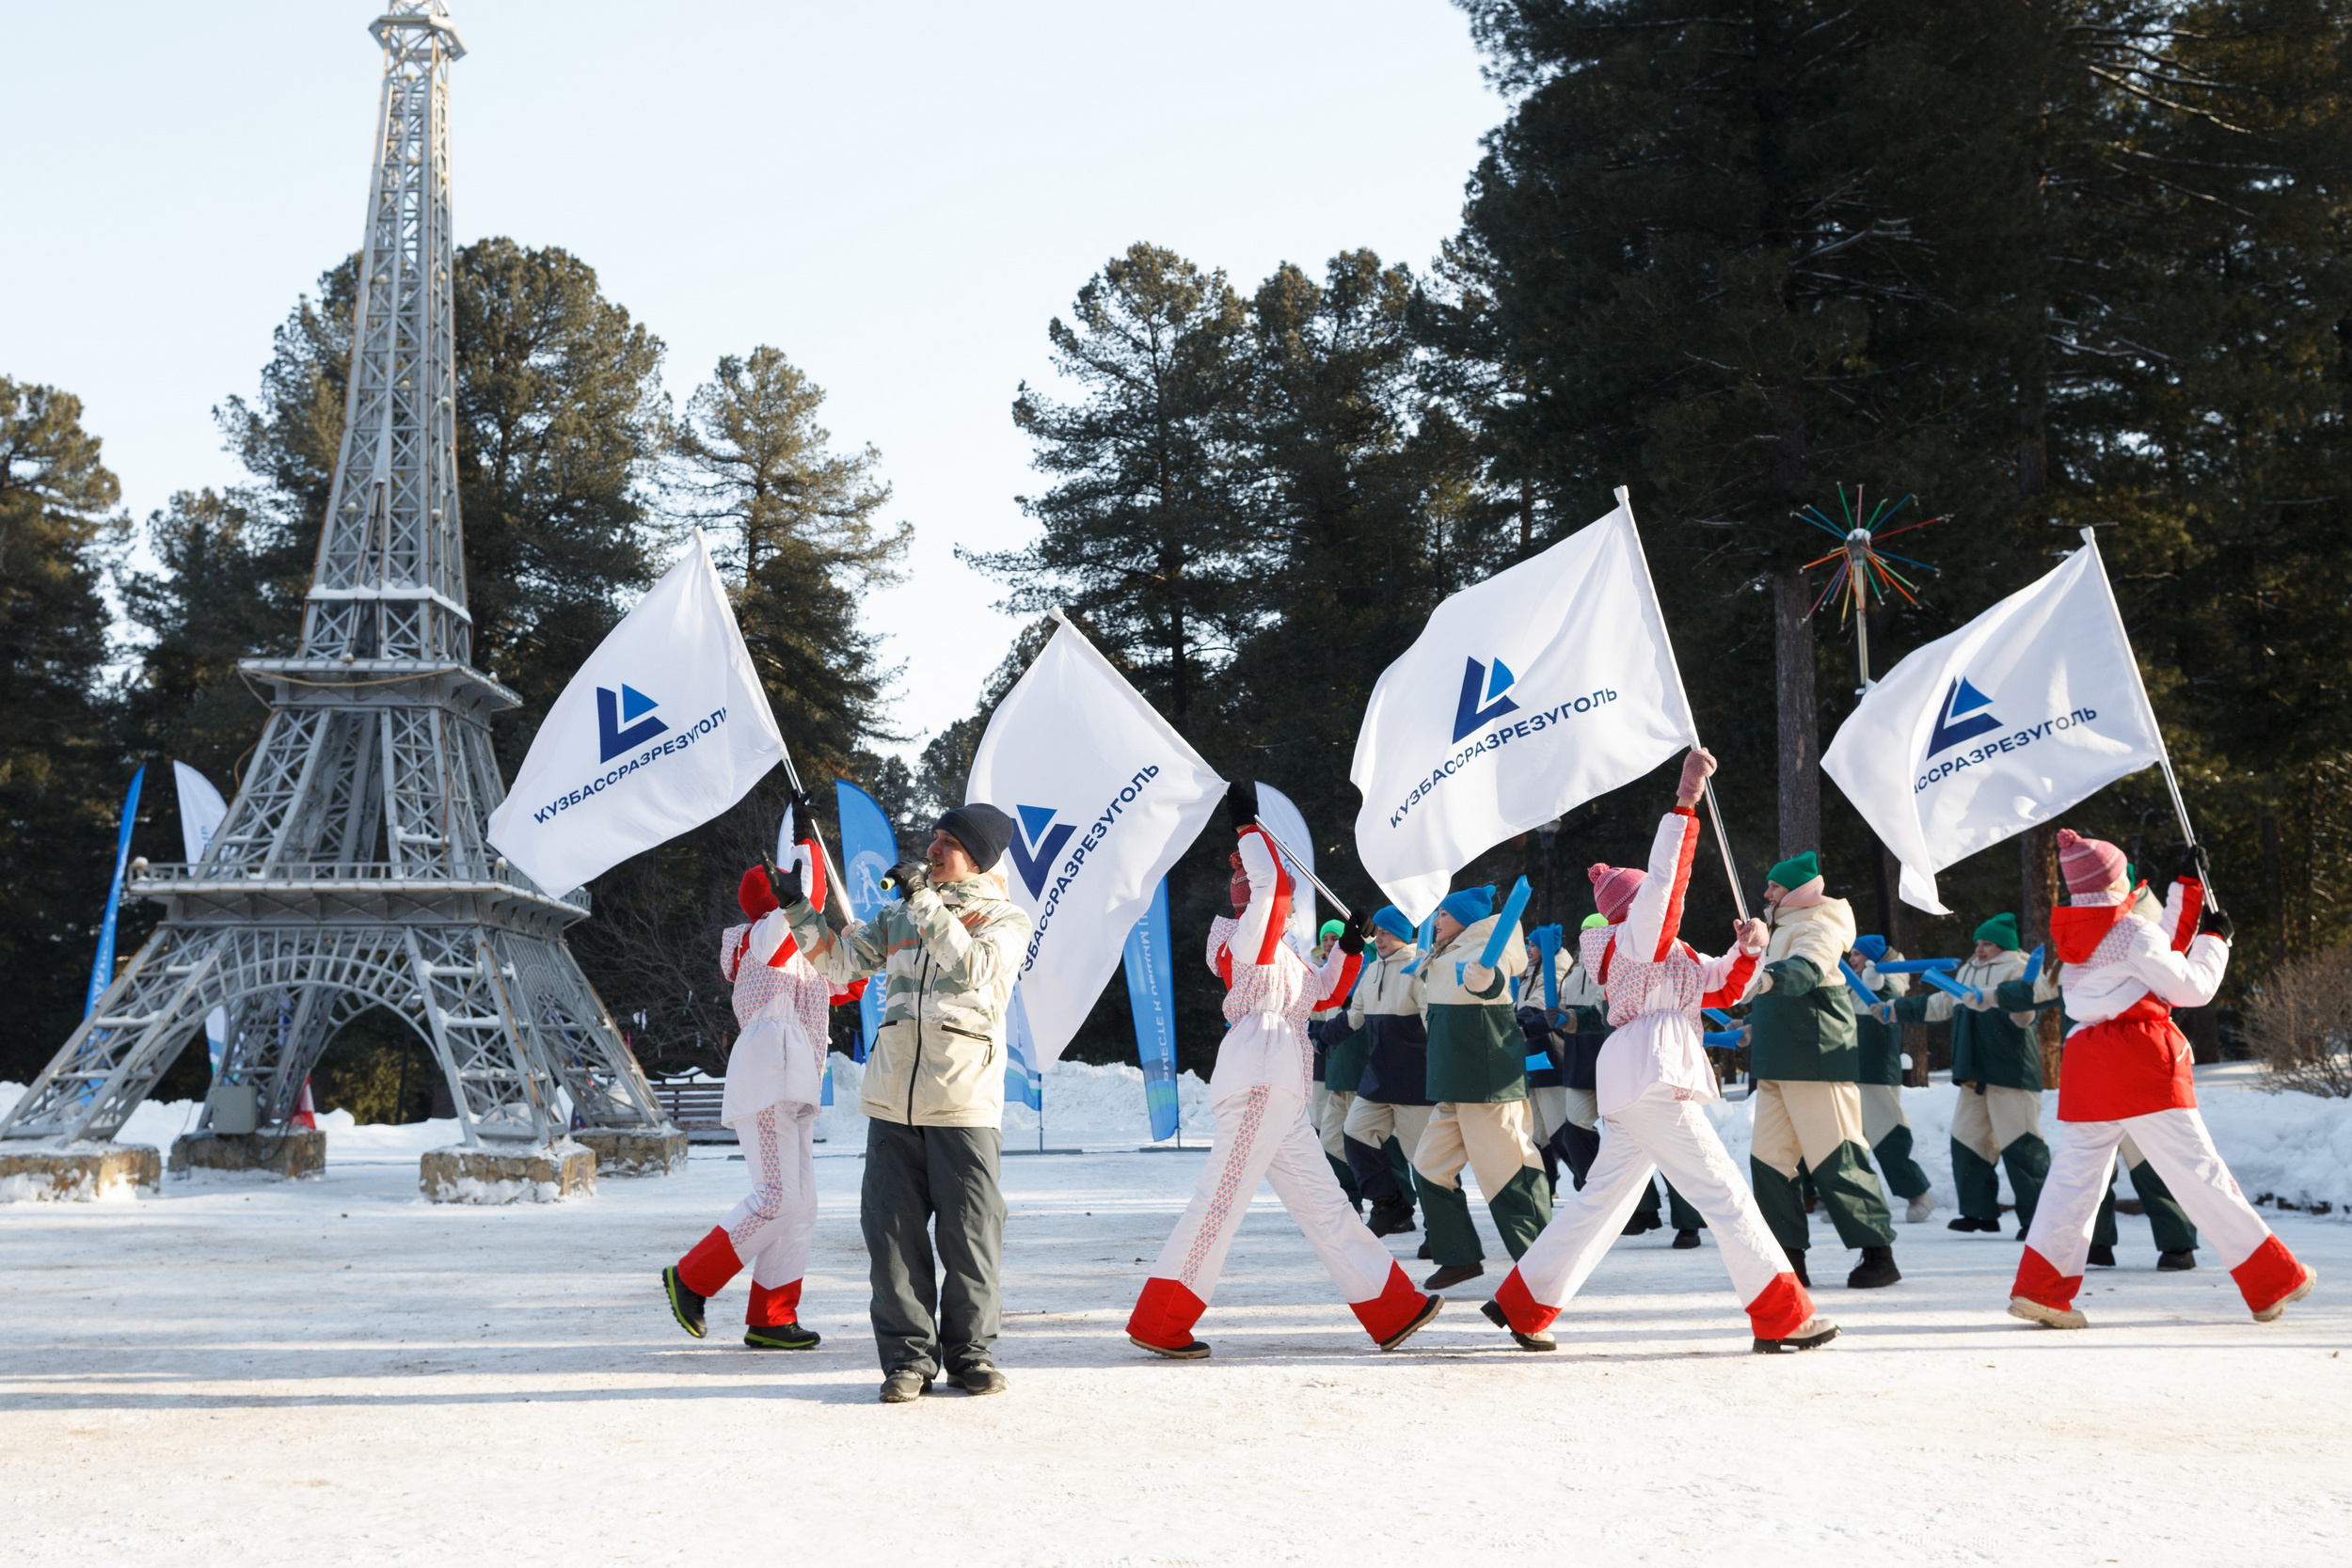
point(2088, 864)
point(1614, 887)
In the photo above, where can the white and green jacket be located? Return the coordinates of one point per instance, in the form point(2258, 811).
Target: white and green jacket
point(948, 956)
point(1477, 1055)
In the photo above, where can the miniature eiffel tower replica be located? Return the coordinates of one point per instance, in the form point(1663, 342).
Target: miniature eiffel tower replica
point(351, 871)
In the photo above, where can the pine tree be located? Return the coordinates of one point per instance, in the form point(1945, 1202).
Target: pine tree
point(62, 769)
point(800, 539)
point(1142, 532)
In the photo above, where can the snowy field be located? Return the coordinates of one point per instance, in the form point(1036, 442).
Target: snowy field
point(335, 1371)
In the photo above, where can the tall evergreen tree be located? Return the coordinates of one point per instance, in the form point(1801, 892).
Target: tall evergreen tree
point(62, 770)
point(1143, 531)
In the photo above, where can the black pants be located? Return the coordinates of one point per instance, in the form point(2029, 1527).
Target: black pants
point(925, 1321)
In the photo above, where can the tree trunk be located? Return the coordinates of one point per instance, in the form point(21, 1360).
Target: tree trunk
point(2038, 870)
point(1800, 723)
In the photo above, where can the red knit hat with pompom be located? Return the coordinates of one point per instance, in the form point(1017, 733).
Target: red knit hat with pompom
point(2088, 864)
point(1614, 887)
point(754, 894)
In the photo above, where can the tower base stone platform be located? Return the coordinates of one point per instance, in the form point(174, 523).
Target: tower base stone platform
point(293, 1153)
point(80, 1173)
point(545, 1173)
point(620, 1152)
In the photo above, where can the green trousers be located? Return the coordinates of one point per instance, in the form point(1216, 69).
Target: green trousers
point(1679, 1211)
point(2167, 1220)
point(1901, 1171)
point(1520, 1212)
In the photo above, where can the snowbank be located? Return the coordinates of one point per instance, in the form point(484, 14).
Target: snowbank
point(1085, 1104)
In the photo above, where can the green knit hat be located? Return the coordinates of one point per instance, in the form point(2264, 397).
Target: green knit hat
point(1333, 928)
point(1795, 871)
point(2001, 931)
point(1593, 919)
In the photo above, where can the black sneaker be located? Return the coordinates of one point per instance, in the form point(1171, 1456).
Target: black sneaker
point(2176, 1262)
point(2101, 1257)
point(904, 1388)
point(685, 1305)
point(1453, 1273)
point(1969, 1221)
point(1812, 1334)
point(1196, 1350)
point(982, 1378)
point(1796, 1266)
point(1877, 1269)
point(1422, 1252)
point(1539, 1340)
point(1640, 1222)
point(779, 1336)
point(1391, 1219)
point(1430, 1307)
point(1686, 1240)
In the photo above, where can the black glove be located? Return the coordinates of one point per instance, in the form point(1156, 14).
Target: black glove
point(2195, 867)
point(1358, 931)
point(908, 877)
point(1241, 805)
point(786, 885)
point(803, 810)
point(2217, 923)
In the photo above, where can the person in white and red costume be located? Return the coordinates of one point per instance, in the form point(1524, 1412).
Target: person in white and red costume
point(2126, 1070)
point(1652, 1079)
point(1260, 1093)
point(775, 1078)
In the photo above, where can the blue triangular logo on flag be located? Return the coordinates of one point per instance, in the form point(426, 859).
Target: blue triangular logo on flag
point(1034, 820)
point(1968, 699)
point(1498, 679)
point(634, 703)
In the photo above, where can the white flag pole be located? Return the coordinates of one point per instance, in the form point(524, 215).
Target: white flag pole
point(2164, 753)
point(1300, 866)
point(1707, 787)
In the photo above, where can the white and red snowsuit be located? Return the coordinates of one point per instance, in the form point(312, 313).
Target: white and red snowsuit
point(1652, 1077)
point(775, 1078)
point(1258, 1094)
point(2127, 1071)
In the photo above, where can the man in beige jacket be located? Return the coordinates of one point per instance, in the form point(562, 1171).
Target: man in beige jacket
point(933, 1095)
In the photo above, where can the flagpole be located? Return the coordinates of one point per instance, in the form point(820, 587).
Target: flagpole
point(2164, 753)
point(1707, 787)
point(1300, 866)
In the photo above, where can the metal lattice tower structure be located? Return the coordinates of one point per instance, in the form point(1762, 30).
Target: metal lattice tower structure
point(351, 869)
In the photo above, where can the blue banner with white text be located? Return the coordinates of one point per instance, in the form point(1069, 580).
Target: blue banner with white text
point(868, 851)
point(102, 972)
point(1151, 993)
point(1024, 1083)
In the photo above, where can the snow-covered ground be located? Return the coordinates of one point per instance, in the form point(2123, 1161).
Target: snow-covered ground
point(193, 1378)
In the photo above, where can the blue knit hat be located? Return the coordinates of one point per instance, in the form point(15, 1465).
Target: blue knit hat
point(1872, 948)
point(1391, 920)
point(1471, 904)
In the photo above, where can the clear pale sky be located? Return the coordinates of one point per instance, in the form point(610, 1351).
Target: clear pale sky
point(898, 197)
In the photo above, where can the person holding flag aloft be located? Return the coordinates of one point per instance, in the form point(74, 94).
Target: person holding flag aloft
point(1802, 1054)
point(2127, 1070)
point(1478, 1077)
point(1653, 1078)
point(775, 1076)
point(1258, 1094)
point(1996, 1065)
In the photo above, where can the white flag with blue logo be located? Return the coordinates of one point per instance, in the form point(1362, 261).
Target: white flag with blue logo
point(1997, 727)
point(1526, 695)
point(665, 727)
point(1104, 795)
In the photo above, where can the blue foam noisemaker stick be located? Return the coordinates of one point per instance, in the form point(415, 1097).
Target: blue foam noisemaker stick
point(1919, 966)
point(2033, 964)
point(1719, 1015)
point(1944, 982)
point(1724, 1039)
point(1853, 983)
point(1548, 944)
point(1500, 937)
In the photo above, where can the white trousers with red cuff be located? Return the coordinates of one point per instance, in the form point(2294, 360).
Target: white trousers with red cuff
point(1657, 1132)
point(2175, 1142)
point(1263, 1132)
point(772, 1229)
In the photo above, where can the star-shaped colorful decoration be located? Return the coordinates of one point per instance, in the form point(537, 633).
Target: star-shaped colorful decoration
point(1863, 574)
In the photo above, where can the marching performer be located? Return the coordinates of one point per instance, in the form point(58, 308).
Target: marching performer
point(1803, 1058)
point(2126, 1072)
point(1653, 1079)
point(1259, 1096)
point(1996, 1065)
point(1879, 1046)
point(1334, 1044)
point(1391, 1105)
point(1478, 1076)
point(774, 1080)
